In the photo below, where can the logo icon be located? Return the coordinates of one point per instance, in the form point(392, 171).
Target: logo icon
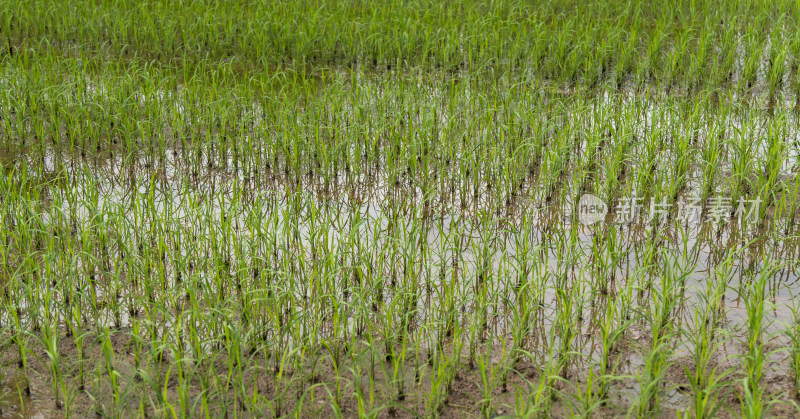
point(591, 209)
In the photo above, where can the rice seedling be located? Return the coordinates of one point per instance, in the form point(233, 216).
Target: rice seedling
point(794, 350)
point(665, 301)
point(318, 208)
point(705, 378)
point(753, 394)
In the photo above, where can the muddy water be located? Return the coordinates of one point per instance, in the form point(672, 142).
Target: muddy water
point(373, 207)
point(15, 403)
point(114, 183)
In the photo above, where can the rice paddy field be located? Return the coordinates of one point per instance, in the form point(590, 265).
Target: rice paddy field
point(404, 208)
